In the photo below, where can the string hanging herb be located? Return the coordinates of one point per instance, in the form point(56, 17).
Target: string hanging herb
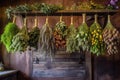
point(97, 45)
point(111, 38)
point(20, 40)
point(83, 36)
point(34, 35)
point(10, 31)
point(59, 34)
point(71, 40)
point(46, 46)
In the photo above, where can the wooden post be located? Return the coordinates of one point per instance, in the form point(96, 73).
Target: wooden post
point(89, 65)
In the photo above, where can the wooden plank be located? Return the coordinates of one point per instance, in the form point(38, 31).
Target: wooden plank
point(88, 62)
point(67, 12)
point(58, 65)
point(59, 73)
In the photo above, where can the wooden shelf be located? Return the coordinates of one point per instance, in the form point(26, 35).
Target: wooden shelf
point(67, 12)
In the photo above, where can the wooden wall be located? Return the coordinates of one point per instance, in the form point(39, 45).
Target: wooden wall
point(105, 67)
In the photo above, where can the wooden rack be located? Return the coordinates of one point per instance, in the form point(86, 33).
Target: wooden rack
point(67, 12)
point(89, 58)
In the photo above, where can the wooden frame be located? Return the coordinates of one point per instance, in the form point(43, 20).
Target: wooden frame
point(89, 58)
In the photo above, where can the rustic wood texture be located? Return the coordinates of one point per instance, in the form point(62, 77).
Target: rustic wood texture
point(105, 68)
point(63, 65)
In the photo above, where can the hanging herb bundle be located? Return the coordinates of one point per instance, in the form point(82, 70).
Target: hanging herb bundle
point(46, 46)
point(97, 45)
point(111, 38)
point(9, 12)
point(49, 9)
point(10, 30)
point(23, 8)
point(83, 36)
point(20, 40)
point(71, 40)
point(59, 34)
point(34, 36)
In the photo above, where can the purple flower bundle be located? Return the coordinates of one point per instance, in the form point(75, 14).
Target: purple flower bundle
point(113, 4)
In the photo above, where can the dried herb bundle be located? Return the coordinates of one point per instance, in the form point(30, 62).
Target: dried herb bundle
point(60, 34)
point(97, 45)
point(83, 36)
point(71, 40)
point(34, 36)
point(20, 40)
point(46, 46)
point(49, 9)
point(10, 30)
point(111, 38)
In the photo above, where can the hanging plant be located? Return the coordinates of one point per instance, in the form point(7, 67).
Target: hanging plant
point(111, 38)
point(9, 12)
point(10, 31)
point(46, 42)
point(23, 8)
point(83, 36)
point(20, 40)
point(34, 36)
point(49, 9)
point(71, 40)
point(97, 45)
point(59, 34)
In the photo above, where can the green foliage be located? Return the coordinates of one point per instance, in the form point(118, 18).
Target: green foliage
point(20, 41)
point(9, 12)
point(36, 6)
point(23, 8)
point(83, 37)
point(97, 45)
point(34, 37)
point(49, 9)
point(9, 31)
point(45, 8)
point(61, 28)
point(71, 40)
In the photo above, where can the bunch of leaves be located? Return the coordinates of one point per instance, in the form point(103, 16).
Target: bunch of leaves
point(46, 43)
point(60, 34)
point(83, 36)
point(34, 37)
point(96, 5)
point(49, 9)
point(20, 41)
point(88, 5)
point(84, 6)
point(97, 44)
point(10, 31)
point(111, 38)
point(23, 8)
point(9, 12)
point(36, 6)
point(71, 40)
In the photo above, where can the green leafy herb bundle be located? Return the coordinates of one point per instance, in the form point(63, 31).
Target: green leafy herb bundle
point(111, 38)
point(23, 8)
point(97, 45)
point(49, 9)
point(20, 8)
point(71, 40)
point(20, 40)
point(10, 31)
point(34, 36)
point(83, 36)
